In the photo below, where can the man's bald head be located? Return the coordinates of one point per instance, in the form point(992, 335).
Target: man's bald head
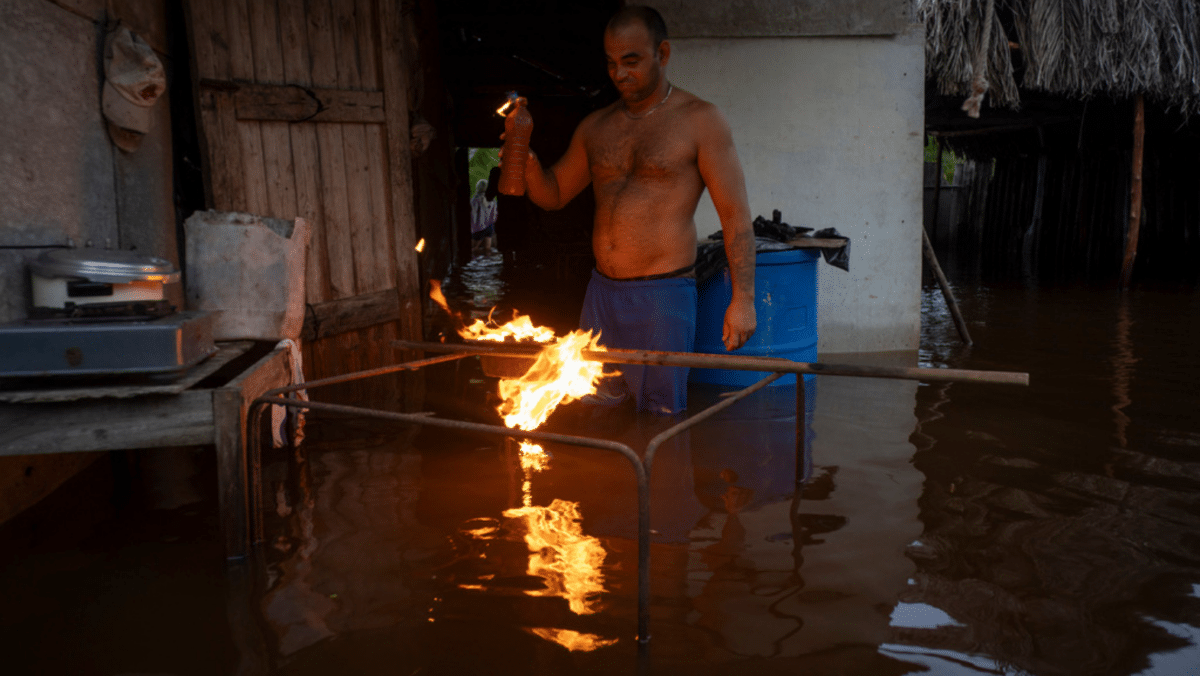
point(645, 16)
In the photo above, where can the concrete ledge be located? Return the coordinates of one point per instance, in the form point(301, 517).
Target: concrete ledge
point(782, 18)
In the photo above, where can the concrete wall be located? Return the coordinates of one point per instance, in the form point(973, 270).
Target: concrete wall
point(62, 179)
point(777, 18)
point(829, 131)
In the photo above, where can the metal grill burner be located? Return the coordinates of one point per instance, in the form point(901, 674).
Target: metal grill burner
point(642, 465)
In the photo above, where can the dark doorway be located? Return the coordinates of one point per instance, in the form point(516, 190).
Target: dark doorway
point(552, 54)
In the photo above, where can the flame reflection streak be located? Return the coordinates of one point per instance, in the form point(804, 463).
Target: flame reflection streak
point(566, 559)
point(572, 640)
point(485, 533)
point(533, 459)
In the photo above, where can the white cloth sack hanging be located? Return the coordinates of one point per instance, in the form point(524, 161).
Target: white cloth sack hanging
point(279, 414)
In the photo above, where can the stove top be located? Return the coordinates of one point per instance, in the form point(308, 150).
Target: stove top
point(66, 346)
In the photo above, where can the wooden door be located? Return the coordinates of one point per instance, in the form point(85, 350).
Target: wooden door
point(303, 112)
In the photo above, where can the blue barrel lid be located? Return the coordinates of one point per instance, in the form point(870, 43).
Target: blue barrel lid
point(786, 256)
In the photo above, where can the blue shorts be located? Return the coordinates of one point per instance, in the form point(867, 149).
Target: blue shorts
point(657, 314)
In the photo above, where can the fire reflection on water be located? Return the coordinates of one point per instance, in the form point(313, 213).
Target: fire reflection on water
point(533, 459)
point(572, 640)
point(568, 561)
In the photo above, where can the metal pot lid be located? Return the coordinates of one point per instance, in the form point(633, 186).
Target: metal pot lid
point(104, 265)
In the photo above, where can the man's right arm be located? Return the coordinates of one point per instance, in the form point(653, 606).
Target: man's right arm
point(553, 188)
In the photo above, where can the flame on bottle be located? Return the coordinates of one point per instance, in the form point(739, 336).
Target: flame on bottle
point(508, 104)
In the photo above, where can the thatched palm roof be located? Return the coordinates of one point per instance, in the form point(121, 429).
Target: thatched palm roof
point(1077, 48)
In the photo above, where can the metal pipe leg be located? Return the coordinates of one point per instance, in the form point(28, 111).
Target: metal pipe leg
point(643, 614)
point(801, 430)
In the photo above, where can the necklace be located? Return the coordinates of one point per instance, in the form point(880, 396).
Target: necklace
point(648, 113)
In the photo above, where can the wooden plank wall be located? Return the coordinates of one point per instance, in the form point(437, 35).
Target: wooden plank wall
point(302, 105)
point(1086, 201)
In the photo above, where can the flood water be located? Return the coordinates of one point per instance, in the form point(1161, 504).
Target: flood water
point(918, 528)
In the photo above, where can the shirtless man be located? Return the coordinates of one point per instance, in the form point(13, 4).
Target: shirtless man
point(649, 156)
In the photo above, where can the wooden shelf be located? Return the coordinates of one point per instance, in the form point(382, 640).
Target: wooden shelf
point(147, 416)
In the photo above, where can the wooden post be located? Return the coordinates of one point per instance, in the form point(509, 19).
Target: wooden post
point(239, 496)
point(1135, 192)
point(931, 259)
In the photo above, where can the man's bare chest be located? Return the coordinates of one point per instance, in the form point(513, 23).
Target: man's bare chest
point(652, 153)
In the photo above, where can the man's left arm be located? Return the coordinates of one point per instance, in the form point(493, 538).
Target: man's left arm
point(722, 174)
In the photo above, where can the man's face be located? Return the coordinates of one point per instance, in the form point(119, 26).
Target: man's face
point(634, 64)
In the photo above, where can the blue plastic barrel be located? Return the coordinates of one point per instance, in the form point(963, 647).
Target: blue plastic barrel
point(785, 301)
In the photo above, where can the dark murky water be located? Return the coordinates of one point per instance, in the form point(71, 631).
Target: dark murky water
point(942, 528)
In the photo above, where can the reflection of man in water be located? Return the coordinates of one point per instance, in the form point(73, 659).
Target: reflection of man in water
point(483, 220)
point(648, 157)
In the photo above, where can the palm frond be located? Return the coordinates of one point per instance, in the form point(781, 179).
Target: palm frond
point(1071, 47)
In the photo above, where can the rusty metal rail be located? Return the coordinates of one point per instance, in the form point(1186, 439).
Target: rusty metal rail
point(642, 465)
point(735, 362)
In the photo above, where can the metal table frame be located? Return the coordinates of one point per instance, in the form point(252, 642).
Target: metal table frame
point(642, 466)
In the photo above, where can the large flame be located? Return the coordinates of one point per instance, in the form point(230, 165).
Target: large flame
point(521, 328)
point(559, 375)
point(566, 559)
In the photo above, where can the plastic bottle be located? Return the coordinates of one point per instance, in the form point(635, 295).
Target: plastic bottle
point(517, 127)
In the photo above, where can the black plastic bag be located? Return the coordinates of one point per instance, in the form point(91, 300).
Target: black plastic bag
point(840, 257)
point(772, 235)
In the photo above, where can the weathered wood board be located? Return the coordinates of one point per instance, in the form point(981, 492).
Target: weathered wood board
point(303, 112)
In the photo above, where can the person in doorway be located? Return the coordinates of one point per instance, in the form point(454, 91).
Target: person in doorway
point(649, 156)
point(483, 220)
